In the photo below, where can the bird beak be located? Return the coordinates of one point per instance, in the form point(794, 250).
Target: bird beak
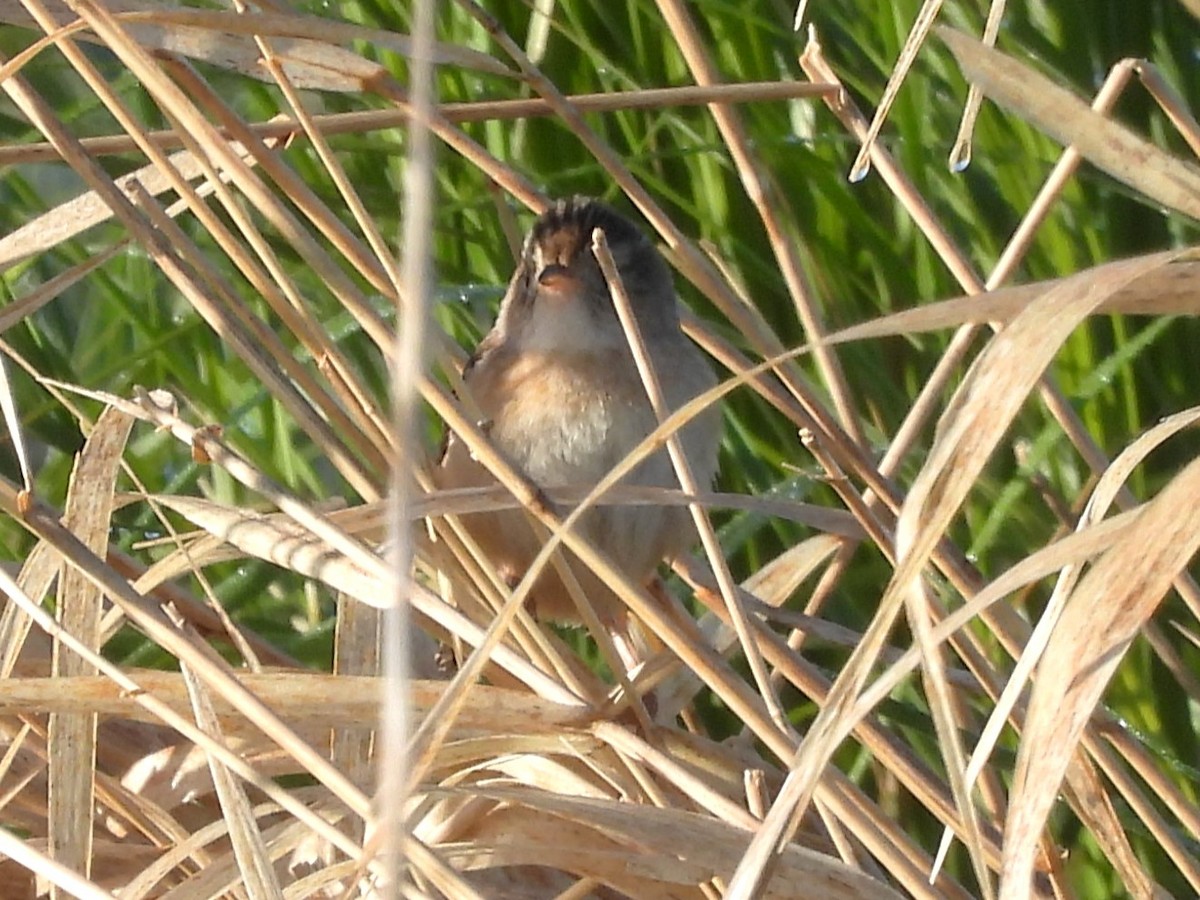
point(558, 279)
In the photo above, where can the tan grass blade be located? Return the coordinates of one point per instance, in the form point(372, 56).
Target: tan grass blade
point(1169, 285)
point(21, 650)
point(34, 859)
point(950, 361)
point(282, 541)
point(165, 256)
point(225, 39)
point(1006, 370)
point(1059, 113)
point(290, 545)
point(1170, 101)
point(777, 580)
point(306, 700)
point(76, 216)
point(257, 872)
point(366, 520)
point(414, 284)
point(1077, 548)
point(1104, 613)
point(672, 846)
point(24, 307)
point(773, 584)
point(12, 422)
point(960, 153)
point(1097, 507)
point(151, 620)
point(133, 691)
point(993, 391)
point(72, 738)
point(355, 652)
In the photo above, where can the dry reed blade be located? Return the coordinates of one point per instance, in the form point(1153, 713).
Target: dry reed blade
point(1167, 286)
point(72, 738)
point(1136, 759)
point(1100, 620)
point(948, 363)
point(355, 652)
point(151, 620)
point(1021, 240)
point(969, 431)
point(408, 365)
point(949, 718)
point(214, 298)
point(1097, 507)
point(225, 39)
point(300, 549)
point(19, 647)
point(772, 584)
point(33, 860)
point(1169, 100)
point(1062, 115)
point(75, 216)
point(280, 215)
point(685, 847)
point(254, 865)
point(40, 113)
point(132, 690)
point(309, 702)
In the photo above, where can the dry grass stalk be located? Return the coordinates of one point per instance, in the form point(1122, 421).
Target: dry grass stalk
point(538, 782)
point(285, 128)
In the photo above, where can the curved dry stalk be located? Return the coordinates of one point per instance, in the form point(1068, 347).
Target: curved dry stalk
point(510, 790)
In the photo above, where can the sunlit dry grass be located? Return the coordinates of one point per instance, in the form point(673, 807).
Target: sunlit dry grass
point(789, 751)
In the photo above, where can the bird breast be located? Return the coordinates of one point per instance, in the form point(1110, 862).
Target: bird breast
point(568, 419)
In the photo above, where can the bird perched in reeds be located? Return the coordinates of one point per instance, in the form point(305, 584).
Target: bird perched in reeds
point(557, 386)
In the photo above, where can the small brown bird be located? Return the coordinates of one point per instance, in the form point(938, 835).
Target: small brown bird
point(561, 397)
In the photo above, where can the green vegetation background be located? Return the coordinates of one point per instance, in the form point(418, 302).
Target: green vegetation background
point(126, 325)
